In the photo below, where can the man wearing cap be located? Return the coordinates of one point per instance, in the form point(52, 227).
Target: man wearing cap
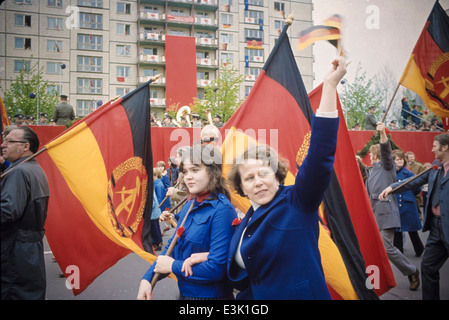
point(63, 112)
point(168, 121)
point(43, 118)
point(217, 121)
point(196, 123)
point(18, 119)
point(370, 120)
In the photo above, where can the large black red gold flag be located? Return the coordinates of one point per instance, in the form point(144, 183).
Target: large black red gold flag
point(278, 112)
point(427, 71)
point(100, 179)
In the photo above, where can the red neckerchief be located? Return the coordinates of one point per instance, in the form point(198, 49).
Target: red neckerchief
point(200, 197)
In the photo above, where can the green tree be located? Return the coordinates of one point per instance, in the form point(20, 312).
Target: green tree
point(221, 95)
point(27, 92)
point(358, 96)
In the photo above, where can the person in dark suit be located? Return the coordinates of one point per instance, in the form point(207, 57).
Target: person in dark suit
point(370, 119)
point(63, 112)
point(436, 216)
point(24, 202)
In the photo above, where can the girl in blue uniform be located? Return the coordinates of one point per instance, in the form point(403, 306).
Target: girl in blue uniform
point(408, 209)
point(208, 228)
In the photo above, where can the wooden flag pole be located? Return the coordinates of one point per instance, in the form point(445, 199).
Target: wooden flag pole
point(172, 245)
point(435, 167)
point(391, 102)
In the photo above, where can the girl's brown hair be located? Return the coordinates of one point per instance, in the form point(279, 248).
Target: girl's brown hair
point(210, 157)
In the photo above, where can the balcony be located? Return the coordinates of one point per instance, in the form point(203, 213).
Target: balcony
point(206, 63)
point(158, 82)
point(150, 59)
point(157, 102)
point(203, 82)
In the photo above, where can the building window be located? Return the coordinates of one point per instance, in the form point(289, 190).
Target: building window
point(253, 16)
point(53, 89)
point(123, 50)
point(226, 19)
point(247, 90)
point(202, 75)
point(254, 54)
point(253, 33)
point(53, 68)
point(91, 3)
point(90, 42)
point(54, 45)
point(54, 23)
point(22, 43)
point(226, 58)
point(22, 1)
point(91, 21)
point(54, 3)
point(150, 72)
point(124, 8)
point(123, 71)
point(90, 86)
point(122, 91)
point(90, 64)
point(256, 3)
point(19, 65)
point(84, 107)
point(123, 29)
point(22, 20)
point(279, 6)
point(150, 51)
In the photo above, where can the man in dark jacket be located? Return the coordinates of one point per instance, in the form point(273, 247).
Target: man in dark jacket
point(63, 112)
point(386, 212)
point(24, 201)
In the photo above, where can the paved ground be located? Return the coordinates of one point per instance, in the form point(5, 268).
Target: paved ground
point(121, 282)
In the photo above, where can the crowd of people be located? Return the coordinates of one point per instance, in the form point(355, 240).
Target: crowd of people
point(411, 120)
point(213, 252)
point(62, 114)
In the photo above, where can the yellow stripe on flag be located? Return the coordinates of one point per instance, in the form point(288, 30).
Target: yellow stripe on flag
point(80, 161)
point(413, 80)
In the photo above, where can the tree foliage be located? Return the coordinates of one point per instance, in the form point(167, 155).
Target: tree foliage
point(222, 94)
point(358, 96)
point(28, 92)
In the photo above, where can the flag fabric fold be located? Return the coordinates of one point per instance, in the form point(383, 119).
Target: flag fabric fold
point(4, 116)
point(280, 96)
point(100, 178)
point(427, 71)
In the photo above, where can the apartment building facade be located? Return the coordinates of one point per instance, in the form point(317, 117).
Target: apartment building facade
point(94, 50)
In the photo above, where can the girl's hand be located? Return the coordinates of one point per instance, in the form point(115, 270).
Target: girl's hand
point(145, 291)
point(164, 264)
point(191, 261)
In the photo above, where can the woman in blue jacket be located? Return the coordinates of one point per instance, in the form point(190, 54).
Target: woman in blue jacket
point(274, 250)
point(408, 209)
point(208, 228)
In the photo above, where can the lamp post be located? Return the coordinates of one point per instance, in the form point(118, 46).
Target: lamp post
point(63, 66)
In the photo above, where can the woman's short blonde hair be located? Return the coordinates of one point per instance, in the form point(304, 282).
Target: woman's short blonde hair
point(270, 157)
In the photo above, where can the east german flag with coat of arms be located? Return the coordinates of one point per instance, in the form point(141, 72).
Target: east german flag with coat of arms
point(427, 71)
point(101, 187)
point(278, 112)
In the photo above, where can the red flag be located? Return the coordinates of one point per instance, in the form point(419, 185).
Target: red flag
point(100, 178)
point(279, 100)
